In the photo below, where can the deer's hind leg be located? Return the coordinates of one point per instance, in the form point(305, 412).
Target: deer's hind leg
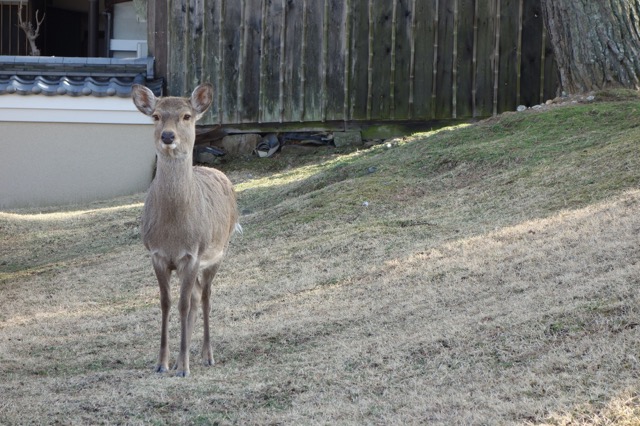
point(196, 294)
point(207, 277)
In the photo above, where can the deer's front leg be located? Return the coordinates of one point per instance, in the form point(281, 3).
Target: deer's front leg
point(163, 274)
point(188, 273)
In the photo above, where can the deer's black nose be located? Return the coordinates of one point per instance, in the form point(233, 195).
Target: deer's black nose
point(167, 137)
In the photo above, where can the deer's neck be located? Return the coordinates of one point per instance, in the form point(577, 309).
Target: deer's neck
point(173, 183)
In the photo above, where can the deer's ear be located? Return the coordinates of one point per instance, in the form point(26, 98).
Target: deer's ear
point(143, 99)
point(201, 99)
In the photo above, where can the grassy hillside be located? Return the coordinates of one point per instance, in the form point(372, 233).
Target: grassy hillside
point(483, 274)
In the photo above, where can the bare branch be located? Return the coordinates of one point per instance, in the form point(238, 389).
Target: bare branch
point(38, 23)
point(31, 34)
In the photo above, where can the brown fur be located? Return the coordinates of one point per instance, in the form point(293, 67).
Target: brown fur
point(189, 216)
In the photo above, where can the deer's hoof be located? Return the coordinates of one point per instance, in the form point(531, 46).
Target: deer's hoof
point(207, 356)
point(162, 369)
point(182, 373)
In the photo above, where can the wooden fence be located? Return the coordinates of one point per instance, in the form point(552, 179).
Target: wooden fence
point(280, 61)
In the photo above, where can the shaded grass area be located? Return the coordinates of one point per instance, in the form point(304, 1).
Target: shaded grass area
point(38, 241)
point(490, 278)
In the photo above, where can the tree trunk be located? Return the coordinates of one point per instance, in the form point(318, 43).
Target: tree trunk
point(596, 42)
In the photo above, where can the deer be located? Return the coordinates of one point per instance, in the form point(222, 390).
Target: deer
point(189, 216)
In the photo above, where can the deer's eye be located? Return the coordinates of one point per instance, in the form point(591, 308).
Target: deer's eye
point(186, 117)
point(155, 117)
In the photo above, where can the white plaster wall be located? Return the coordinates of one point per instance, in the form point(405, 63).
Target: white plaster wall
point(43, 164)
point(63, 150)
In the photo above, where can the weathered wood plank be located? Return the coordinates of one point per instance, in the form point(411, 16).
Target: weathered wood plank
point(509, 65)
point(485, 57)
point(282, 59)
point(392, 78)
point(402, 61)
point(444, 64)
point(195, 53)
point(241, 55)
point(380, 104)
point(157, 18)
point(230, 14)
point(211, 57)
point(464, 60)
point(370, 51)
point(334, 60)
point(532, 26)
point(347, 59)
point(359, 57)
point(312, 57)
point(271, 61)
point(178, 15)
point(217, 10)
point(424, 36)
point(293, 63)
point(249, 91)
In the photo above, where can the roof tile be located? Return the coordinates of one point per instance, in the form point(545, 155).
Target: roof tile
point(56, 76)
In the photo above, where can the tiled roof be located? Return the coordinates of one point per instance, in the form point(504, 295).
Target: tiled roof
point(53, 76)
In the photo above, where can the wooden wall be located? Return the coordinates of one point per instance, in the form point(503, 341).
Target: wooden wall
point(283, 61)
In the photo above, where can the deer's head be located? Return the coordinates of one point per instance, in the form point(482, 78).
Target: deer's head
point(174, 117)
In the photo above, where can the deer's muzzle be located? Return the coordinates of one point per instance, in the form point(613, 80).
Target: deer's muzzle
point(167, 137)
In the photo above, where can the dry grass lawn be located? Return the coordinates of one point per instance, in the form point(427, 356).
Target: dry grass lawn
point(491, 279)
